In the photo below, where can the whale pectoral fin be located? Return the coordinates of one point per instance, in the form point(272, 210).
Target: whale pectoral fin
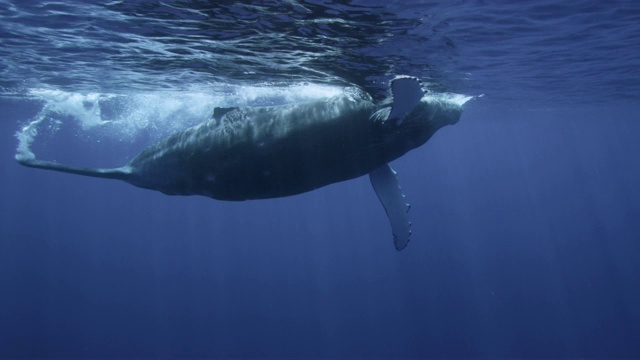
point(385, 183)
point(219, 112)
point(407, 93)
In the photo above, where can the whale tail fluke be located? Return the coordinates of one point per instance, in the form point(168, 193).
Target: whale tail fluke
point(122, 173)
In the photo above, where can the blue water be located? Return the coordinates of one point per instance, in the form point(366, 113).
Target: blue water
point(526, 214)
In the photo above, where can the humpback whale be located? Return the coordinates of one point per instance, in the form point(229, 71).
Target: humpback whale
point(248, 153)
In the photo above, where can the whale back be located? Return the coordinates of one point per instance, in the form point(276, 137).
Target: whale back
point(264, 152)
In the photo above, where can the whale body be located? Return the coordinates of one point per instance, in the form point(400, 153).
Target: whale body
point(267, 152)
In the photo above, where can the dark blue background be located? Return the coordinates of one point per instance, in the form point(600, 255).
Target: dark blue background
point(526, 243)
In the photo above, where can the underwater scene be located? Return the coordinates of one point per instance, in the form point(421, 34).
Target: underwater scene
point(319, 179)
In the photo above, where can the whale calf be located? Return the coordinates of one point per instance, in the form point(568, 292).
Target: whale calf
point(248, 153)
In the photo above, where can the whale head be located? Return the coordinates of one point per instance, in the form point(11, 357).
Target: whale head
point(435, 111)
point(427, 117)
point(410, 116)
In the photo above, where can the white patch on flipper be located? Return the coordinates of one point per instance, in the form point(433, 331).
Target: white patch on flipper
point(385, 184)
point(407, 93)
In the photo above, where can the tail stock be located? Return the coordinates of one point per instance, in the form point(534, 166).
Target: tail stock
point(122, 173)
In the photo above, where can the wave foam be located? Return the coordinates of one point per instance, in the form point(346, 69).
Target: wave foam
point(157, 114)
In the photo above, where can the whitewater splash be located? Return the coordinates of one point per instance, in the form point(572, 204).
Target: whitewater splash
point(125, 117)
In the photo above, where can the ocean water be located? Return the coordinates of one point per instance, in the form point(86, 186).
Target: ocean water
point(526, 213)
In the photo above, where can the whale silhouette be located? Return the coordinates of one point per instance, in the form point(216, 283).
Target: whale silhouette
point(267, 152)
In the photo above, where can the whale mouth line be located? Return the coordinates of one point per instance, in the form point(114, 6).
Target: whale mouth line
point(452, 98)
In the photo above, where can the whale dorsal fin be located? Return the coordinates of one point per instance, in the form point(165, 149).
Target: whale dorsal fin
point(219, 112)
point(406, 92)
point(385, 184)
